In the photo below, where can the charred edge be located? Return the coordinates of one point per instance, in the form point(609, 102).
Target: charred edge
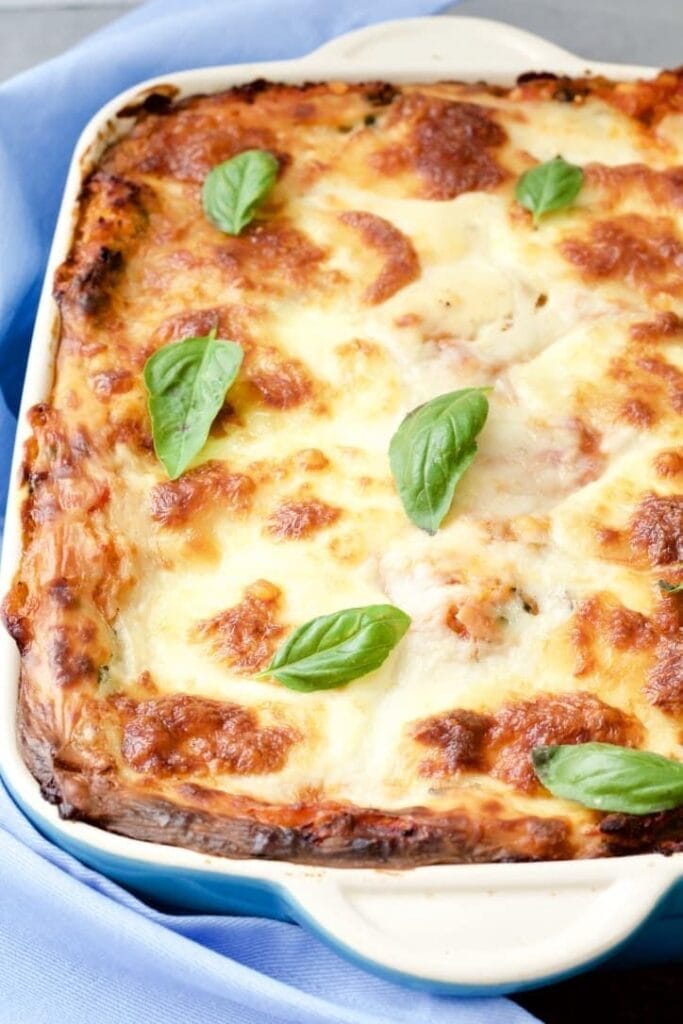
point(651, 833)
point(343, 839)
point(250, 90)
point(93, 282)
point(88, 273)
point(157, 102)
point(535, 76)
point(130, 191)
point(36, 749)
point(353, 837)
point(379, 94)
point(382, 94)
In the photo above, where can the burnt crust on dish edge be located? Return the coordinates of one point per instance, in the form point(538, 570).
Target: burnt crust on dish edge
point(334, 836)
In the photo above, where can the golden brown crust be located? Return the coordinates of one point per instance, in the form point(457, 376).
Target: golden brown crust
point(114, 217)
point(183, 735)
point(669, 463)
point(664, 686)
point(646, 102)
point(597, 623)
point(450, 146)
point(327, 835)
point(280, 383)
point(657, 529)
point(150, 764)
point(645, 252)
point(662, 326)
point(501, 743)
point(296, 519)
point(401, 263)
point(246, 636)
point(205, 488)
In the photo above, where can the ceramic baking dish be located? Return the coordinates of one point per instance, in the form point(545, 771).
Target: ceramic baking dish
point(479, 929)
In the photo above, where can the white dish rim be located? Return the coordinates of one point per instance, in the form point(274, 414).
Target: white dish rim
point(599, 903)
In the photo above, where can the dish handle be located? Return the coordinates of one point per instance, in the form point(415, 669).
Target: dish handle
point(475, 46)
point(490, 929)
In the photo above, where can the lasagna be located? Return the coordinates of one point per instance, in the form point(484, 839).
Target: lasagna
point(389, 263)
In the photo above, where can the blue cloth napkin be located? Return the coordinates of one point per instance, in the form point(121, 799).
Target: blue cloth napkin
point(74, 947)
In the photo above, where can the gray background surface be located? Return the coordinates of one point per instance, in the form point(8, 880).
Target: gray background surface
point(630, 31)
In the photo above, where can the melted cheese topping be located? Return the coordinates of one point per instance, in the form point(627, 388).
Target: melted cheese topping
point(348, 323)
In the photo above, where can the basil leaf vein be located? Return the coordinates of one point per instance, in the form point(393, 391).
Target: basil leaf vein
point(186, 385)
point(549, 186)
point(332, 650)
point(607, 777)
point(232, 190)
point(431, 450)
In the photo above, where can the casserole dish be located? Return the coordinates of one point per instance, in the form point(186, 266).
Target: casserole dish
point(364, 912)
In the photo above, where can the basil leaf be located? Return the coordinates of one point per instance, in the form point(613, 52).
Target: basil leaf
point(232, 190)
point(670, 588)
point(611, 778)
point(549, 186)
point(431, 450)
point(334, 649)
point(186, 383)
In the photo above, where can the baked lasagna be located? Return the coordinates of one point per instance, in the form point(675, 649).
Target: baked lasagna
point(390, 263)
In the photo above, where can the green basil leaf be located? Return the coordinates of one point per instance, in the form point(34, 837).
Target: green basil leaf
point(611, 778)
point(186, 385)
point(549, 186)
point(431, 450)
point(232, 190)
point(670, 588)
point(334, 649)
